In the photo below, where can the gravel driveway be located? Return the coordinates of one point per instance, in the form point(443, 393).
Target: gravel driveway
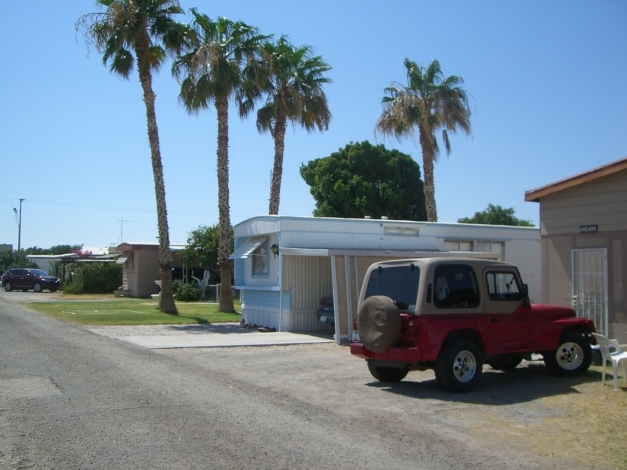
point(306, 406)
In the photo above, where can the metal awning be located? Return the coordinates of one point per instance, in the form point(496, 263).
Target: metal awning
point(251, 244)
point(122, 259)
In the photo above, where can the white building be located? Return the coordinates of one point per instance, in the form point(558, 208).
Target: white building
point(285, 265)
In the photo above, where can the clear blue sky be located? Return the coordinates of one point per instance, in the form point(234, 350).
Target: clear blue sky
point(547, 79)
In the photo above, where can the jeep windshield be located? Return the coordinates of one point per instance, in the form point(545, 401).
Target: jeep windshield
point(400, 283)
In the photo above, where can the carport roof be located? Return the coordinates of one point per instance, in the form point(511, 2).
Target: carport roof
point(393, 253)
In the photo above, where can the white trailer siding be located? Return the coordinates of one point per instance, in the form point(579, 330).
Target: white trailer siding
point(302, 271)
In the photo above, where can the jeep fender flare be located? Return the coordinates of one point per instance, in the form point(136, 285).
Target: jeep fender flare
point(457, 335)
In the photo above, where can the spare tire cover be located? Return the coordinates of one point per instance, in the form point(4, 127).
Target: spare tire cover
point(379, 323)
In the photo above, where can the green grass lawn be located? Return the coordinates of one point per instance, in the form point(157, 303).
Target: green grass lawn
point(125, 311)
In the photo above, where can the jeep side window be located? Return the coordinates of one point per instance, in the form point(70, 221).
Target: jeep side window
point(455, 286)
point(503, 286)
point(399, 283)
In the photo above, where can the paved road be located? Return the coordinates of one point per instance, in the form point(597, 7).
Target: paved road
point(72, 399)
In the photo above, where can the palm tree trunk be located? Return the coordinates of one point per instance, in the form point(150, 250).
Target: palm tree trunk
point(224, 243)
point(429, 187)
point(279, 150)
point(166, 299)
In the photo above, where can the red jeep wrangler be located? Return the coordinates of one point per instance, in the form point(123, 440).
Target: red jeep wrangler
point(454, 315)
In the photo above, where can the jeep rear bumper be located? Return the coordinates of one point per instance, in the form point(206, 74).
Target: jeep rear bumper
point(405, 355)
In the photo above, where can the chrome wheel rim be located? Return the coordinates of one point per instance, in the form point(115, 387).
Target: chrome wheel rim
point(464, 366)
point(569, 356)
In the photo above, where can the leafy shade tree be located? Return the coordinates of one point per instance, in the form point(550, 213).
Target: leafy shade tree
point(142, 33)
point(202, 250)
point(496, 215)
point(362, 179)
point(428, 103)
point(292, 79)
point(211, 71)
point(55, 250)
point(203, 247)
point(15, 259)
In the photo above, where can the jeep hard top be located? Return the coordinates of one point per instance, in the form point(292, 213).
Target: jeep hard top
point(454, 315)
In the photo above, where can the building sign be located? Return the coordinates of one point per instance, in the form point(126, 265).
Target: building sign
point(588, 228)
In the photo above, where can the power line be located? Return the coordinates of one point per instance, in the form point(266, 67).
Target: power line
point(91, 206)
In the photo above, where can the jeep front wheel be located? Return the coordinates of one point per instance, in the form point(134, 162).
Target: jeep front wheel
point(8, 287)
point(573, 355)
point(387, 374)
point(459, 366)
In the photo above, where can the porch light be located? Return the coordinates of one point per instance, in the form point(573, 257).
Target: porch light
point(274, 249)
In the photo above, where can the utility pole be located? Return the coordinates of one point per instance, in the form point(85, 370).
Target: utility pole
point(121, 224)
point(19, 225)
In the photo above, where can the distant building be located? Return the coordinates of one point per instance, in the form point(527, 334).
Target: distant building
point(141, 268)
point(6, 247)
point(45, 262)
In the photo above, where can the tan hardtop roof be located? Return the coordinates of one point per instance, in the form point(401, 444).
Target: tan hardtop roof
point(425, 262)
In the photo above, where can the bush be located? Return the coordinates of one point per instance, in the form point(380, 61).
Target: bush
point(74, 284)
point(101, 278)
point(94, 278)
point(185, 292)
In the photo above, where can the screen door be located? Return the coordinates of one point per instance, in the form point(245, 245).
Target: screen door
point(590, 286)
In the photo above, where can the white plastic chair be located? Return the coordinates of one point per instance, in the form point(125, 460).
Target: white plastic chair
point(615, 355)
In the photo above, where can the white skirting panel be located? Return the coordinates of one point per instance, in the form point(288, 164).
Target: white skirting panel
point(292, 320)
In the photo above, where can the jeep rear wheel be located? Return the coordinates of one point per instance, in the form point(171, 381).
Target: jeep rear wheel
point(459, 366)
point(387, 374)
point(379, 323)
point(572, 357)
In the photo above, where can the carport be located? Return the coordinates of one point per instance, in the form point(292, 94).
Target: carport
point(285, 265)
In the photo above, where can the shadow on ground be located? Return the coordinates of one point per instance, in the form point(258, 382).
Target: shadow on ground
point(523, 384)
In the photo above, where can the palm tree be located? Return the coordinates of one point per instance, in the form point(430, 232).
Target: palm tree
point(428, 103)
point(211, 71)
point(146, 29)
point(291, 78)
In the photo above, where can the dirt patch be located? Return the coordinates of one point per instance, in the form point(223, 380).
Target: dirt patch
point(47, 296)
point(30, 296)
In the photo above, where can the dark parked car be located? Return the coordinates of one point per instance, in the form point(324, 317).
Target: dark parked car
point(326, 313)
point(26, 278)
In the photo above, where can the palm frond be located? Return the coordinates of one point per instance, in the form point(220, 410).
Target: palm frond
point(127, 25)
point(218, 51)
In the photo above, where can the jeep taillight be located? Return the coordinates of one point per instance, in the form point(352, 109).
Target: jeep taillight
point(408, 330)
